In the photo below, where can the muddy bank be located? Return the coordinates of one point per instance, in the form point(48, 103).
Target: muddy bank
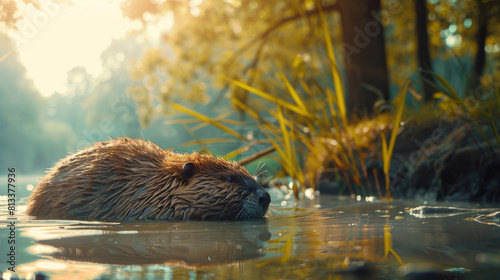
point(433, 161)
point(453, 162)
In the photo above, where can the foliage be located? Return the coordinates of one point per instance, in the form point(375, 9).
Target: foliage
point(38, 131)
point(302, 129)
point(9, 12)
point(472, 110)
point(26, 142)
point(244, 40)
point(452, 30)
point(248, 41)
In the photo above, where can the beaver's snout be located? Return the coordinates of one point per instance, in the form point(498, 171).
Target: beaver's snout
point(255, 206)
point(264, 198)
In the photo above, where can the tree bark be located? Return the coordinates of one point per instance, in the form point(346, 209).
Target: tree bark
point(364, 55)
point(424, 59)
point(482, 32)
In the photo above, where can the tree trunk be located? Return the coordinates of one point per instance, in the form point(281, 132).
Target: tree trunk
point(364, 54)
point(424, 59)
point(482, 31)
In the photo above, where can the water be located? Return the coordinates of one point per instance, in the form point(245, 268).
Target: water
point(323, 238)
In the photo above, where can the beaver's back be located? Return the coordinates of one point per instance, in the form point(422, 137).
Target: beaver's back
point(79, 185)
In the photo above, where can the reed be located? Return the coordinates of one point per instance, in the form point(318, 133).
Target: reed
point(300, 126)
point(387, 150)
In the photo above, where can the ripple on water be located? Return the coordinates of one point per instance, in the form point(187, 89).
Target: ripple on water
point(320, 238)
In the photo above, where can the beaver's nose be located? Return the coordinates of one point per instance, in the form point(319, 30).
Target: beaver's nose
point(264, 199)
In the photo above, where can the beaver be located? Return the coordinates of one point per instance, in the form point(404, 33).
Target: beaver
point(134, 179)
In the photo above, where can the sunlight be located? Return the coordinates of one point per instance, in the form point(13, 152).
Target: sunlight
point(53, 40)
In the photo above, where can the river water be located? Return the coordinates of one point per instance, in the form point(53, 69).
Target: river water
point(322, 237)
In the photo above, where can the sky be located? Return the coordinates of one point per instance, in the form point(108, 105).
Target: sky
point(58, 37)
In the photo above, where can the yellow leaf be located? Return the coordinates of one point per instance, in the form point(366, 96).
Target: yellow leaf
point(438, 95)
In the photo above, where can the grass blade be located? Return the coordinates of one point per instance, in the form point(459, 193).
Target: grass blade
point(397, 120)
point(284, 132)
point(494, 128)
point(387, 150)
point(208, 141)
point(209, 120)
point(269, 97)
point(181, 121)
point(245, 108)
point(384, 152)
point(238, 151)
point(222, 119)
point(449, 89)
point(337, 81)
point(293, 93)
point(233, 122)
point(497, 94)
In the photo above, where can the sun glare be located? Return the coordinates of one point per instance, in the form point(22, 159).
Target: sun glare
point(56, 38)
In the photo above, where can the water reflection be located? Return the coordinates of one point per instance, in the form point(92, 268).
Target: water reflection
point(489, 219)
point(324, 238)
point(192, 244)
point(444, 211)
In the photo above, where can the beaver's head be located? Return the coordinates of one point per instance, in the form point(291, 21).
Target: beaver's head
point(216, 189)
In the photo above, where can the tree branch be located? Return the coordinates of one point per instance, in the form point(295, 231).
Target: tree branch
point(257, 155)
point(275, 26)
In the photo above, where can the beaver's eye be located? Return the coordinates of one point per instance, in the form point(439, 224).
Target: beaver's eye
point(229, 178)
point(232, 179)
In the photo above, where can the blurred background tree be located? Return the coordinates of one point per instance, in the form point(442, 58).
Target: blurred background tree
point(251, 41)
point(365, 62)
point(9, 13)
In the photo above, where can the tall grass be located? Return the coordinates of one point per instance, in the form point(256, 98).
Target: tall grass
point(324, 134)
point(387, 150)
point(469, 113)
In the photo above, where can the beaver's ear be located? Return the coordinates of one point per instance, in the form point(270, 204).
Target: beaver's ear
point(188, 170)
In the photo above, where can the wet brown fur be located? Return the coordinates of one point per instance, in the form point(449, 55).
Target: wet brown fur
point(126, 179)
